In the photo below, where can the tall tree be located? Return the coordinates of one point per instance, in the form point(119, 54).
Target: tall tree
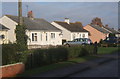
point(21, 37)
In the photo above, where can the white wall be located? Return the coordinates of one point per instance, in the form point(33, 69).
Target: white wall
point(79, 35)
point(50, 41)
point(5, 33)
point(69, 35)
point(7, 22)
point(66, 33)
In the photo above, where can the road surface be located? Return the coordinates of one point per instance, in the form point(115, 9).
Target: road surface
point(109, 69)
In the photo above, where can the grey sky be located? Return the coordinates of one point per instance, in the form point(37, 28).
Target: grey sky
point(76, 11)
point(61, 0)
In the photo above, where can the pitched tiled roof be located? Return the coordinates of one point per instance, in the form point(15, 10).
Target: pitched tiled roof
point(100, 29)
point(111, 30)
point(35, 24)
point(71, 27)
point(2, 27)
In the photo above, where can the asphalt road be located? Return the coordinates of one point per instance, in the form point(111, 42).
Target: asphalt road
point(109, 69)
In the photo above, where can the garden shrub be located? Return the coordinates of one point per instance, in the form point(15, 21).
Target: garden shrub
point(41, 57)
point(74, 51)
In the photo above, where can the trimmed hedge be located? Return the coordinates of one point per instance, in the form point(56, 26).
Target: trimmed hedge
point(40, 57)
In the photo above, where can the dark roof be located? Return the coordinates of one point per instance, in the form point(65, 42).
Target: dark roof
point(111, 30)
point(97, 27)
point(2, 27)
point(35, 24)
point(71, 27)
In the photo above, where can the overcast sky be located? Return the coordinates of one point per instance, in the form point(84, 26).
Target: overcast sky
point(76, 11)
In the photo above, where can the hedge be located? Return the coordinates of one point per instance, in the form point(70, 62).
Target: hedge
point(40, 57)
point(9, 54)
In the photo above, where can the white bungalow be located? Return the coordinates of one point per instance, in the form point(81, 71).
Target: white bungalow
point(70, 30)
point(39, 31)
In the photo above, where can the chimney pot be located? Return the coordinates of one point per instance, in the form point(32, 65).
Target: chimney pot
point(67, 20)
point(30, 15)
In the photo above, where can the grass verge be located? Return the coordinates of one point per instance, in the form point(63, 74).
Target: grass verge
point(107, 50)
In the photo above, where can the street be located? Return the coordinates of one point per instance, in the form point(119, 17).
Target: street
point(109, 69)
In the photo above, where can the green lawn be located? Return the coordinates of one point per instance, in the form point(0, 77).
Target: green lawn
point(107, 50)
point(56, 66)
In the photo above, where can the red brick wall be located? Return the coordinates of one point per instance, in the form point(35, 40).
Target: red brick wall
point(11, 70)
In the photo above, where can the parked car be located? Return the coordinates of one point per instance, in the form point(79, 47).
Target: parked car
point(110, 41)
point(78, 41)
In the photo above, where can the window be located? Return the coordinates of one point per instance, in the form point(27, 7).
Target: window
point(41, 36)
point(83, 36)
point(2, 36)
point(34, 36)
point(46, 37)
point(52, 35)
point(73, 36)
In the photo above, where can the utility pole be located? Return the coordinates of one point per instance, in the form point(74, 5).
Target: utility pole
point(20, 12)
point(27, 7)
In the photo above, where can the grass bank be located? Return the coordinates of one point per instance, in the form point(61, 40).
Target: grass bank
point(107, 50)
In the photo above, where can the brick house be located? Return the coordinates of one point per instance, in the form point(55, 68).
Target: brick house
point(99, 32)
point(96, 33)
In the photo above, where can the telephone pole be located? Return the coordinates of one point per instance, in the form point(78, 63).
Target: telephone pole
point(20, 12)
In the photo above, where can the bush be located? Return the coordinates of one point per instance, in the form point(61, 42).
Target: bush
point(74, 51)
point(9, 54)
point(41, 57)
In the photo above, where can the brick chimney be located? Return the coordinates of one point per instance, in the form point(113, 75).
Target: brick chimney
point(30, 15)
point(67, 20)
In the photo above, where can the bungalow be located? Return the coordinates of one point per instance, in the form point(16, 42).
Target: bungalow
point(99, 32)
point(112, 30)
point(39, 31)
point(3, 34)
point(70, 30)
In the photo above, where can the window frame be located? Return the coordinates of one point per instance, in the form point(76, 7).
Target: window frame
point(53, 36)
point(34, 37)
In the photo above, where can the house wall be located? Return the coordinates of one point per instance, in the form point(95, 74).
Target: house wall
point(7, 22)
point(117, 35)
point(95, 35)
point(79, 35)
point(66, 33)
point(5, 33)
point(41, 38)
